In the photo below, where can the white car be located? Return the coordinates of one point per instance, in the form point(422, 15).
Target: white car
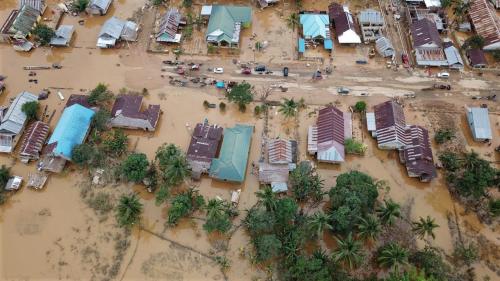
point(219, 70)
point(443, 75)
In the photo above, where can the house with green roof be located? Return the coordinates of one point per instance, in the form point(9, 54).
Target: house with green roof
point(233, 157)
point(225, 24)
point(19, 24)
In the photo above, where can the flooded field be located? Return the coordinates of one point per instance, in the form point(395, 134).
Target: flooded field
point(55, 234)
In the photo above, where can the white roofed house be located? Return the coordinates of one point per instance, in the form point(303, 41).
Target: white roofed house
point(114, 30)
point(63, 36)
point(98, 7)
point(343, 22)
point(13, 122)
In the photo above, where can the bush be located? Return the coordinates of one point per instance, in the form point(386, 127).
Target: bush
point(241, 94)
point(444, 135)
point(354, 147)
point(495, 207)
point(82, 154)
point(100, 94)
point(466, 254)
point(206, 104)
point(257, 110)
point(100, 120)
point(43, 34)
point(80, 5)
point(474, 42)
point(101, 203)
point(267, 247)
point(30, 109)
point(496, 55)
point(360, 106)
point(222, 106)
point(116, 143)
point(158, 2)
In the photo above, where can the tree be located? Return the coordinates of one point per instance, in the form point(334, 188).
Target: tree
point(80, 5)
point(360, 106)
point(309, 268)
point(158, 2)
point(425, 227)
point(496, 55)
point(135, 167)
point(388, 212)
point(162, 194)
point(4, 176)
point(446, 3)
point(267, 246)
point(292, 21)
point(267, 197)
point(430, 261)
point(494, 207)
point(166, 154)
point(466, 254)
point(444, 135)
point(184, 204)
point(450, 161)
point(258, 221)
point(187, 3)
point(285, 213)
point(349, 251)
point(100, 120)
point(318, 222)
point(129, 210)
point(43, 34)
point(116, 143)
point(177, 170)
point(82, 154)
point(30, 109)
point(474, 42)
point(289, 108)
point(460, 9)
point(392, 256)
point(369, 228)
point(306, 184)
point(241, 94)
point(218, 216)
point(99, 95)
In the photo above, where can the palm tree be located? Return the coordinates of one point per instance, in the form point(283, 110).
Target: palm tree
point(389, 212)
point(166, 153)
point(369, 227)
point(267, 197)
point(424, 227)
point(293, 20)
point(318, 222)
point(215, 207)
point(177, 170)
point(288, 108)
point(392, 256)
point(348, 251)
point(129, 210)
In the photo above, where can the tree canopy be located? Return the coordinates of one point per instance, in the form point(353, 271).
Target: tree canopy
point(100, 120)
point(306, 184)
point(135, 167)
point(99, 95)
point(30, 109)
point(241, 95)
point(184, 204)
point(43, 34)
point(129, 210)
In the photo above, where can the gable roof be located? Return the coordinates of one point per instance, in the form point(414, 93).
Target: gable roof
point(424, 31)
point(331, 134)
point(344, 24)
point(38, 5)
point(371, 16)
point(101, 4)
point(13, 121)
point(282, 151)
point(25, 21)
point(485, 21)
point(130, 106)
point(232, 162)
point(476, 57)
point(204, 142)
point(70, 131)
point(169, 24)
point(112, 27)
point(34, 138)
point(479, 122)
point(223, 21)
point(453, 57)
point(315, 25)
point(63, 35)
point(390, 124)
point(417, 154)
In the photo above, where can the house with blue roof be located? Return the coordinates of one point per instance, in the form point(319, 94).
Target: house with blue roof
point(71, 130)
point(315, 30)
point(231, 165)
point(225, 24)
point(479, 123)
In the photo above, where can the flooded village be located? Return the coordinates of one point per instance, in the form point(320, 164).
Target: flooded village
point(249, 140)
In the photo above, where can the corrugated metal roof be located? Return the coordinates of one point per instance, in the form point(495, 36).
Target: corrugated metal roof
point(169, 25)
point(370, 121)
point(13, 121)
point(331, 134)
point(371, 16)
point(315, 25)
point(390, 124)
point(479, 123)
point(25, 21)
point(204, 143)
point(432, 3)
point(453, 57)
point(485, 21)
point(38, 5)
point(417, 154)
point(269, 173)
point(102, 4)
point(344, 24)
point(384, 47)
point(476, 57)
point(424, 31)
point(224, 21)
point(281, 151)
point(34, 138)
point(63, 35)
point(112, 27)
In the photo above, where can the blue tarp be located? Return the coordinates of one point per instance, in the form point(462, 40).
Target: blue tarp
point(71, 130)
point(328, 44)
point(302, 45)
point(220, 84)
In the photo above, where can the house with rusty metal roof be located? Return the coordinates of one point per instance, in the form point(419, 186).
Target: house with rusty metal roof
point(486, 23)
point(390, 125)
point(417, 154)
point(127, 113)
point(343, 21)
point(427, 43)
point(231, 165)
point(282, 151)
point(14, 121)
point(276, 175)
point(204, 146)
point(33, 140)
point(98, 7)
point(476, 58)
point(326, 138)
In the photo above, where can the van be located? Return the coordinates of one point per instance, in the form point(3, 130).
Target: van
point(443, 75)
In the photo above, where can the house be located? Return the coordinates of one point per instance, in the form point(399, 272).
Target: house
point(204, 145)
point(453, 56)
point(115, 29)
point(33, 141)
point(315, 29)
point(344, 24)
point(14, 183)
point(372, 24)
point(479, 123)
point(275, 175)
point(169, 27)
point(390, 125)
point(476, 58)
point(19, 24)
point(417, 154)
point(326, 139)
point(384, 47)
point(231, 165)
point(39, 5)
point(427, 44)
point(127, 113)
point(225, 24)
point(71, 130)
point(266, 3)
point(282, 151)
point(13, 122)
point(98, 7)
point(63, 36)
point(486, 23)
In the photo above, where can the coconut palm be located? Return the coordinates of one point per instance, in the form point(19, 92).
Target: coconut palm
point(215, 207)
point(369, 227)
point(389, 212)
point(129, 210)
point(177, 170)
point(293, 21)
point(392, 256)
point(349, 251)
point(289, 108)
point(267, 197)
point(425, 227)
point(166, 153)
point(318, 222)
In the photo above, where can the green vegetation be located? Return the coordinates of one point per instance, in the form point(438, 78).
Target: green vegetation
point(4, 178)
point(158, 2)
point(306, 184)
point(392, 256)
point(241, 95)
point(129, 210)
point(496, 55)
point(425, 227)
point(116, 143)
point(388, 212)
point(30, 109)
point(219, 215)
point(474, 42)
point(80, 5)
point(184, 204)
point(369, 228)
point(289, 108)
point(173, 164)
point(348, 252)
point(101, 203)
point(360, 106)
point(100, 120)
point(466, 254)
point(444, 135)
point(222, 106)
point(134, 168)
point(494, 206)
point(354, 147)
point(187, 3)
point(431, 262)
point(206, 104)
point(99, 95)
point(292, 21)
point(43, 34)
point(85, 154)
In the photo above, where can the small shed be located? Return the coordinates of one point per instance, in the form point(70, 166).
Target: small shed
point(370, 124)
point(476, 58)
point(302, 45)
point(479, 123)
point(384, 47)
point(63, 36)
point(98, 7)
point(274, 174)
point(33, 141)
point(14, 183)
point(206, 11)
point(453, 56)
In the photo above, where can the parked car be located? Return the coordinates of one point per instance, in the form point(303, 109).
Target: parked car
point(260, 68)
point(246, 71)
point(343, 90)
point(443, 75)
point(285, 71)
point(219, 70)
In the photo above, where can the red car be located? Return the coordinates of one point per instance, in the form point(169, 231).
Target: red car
point(406, 60)
point(246, 71)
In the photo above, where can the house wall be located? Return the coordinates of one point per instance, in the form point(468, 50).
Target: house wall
point(121, 121)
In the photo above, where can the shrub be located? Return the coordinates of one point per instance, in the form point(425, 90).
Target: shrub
point(206, 104)
point(30, 109)
point(43, 34)
point(444, 135)
point(354, 147)
point(360, 106)
point(222, 106)
point(495, 207)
